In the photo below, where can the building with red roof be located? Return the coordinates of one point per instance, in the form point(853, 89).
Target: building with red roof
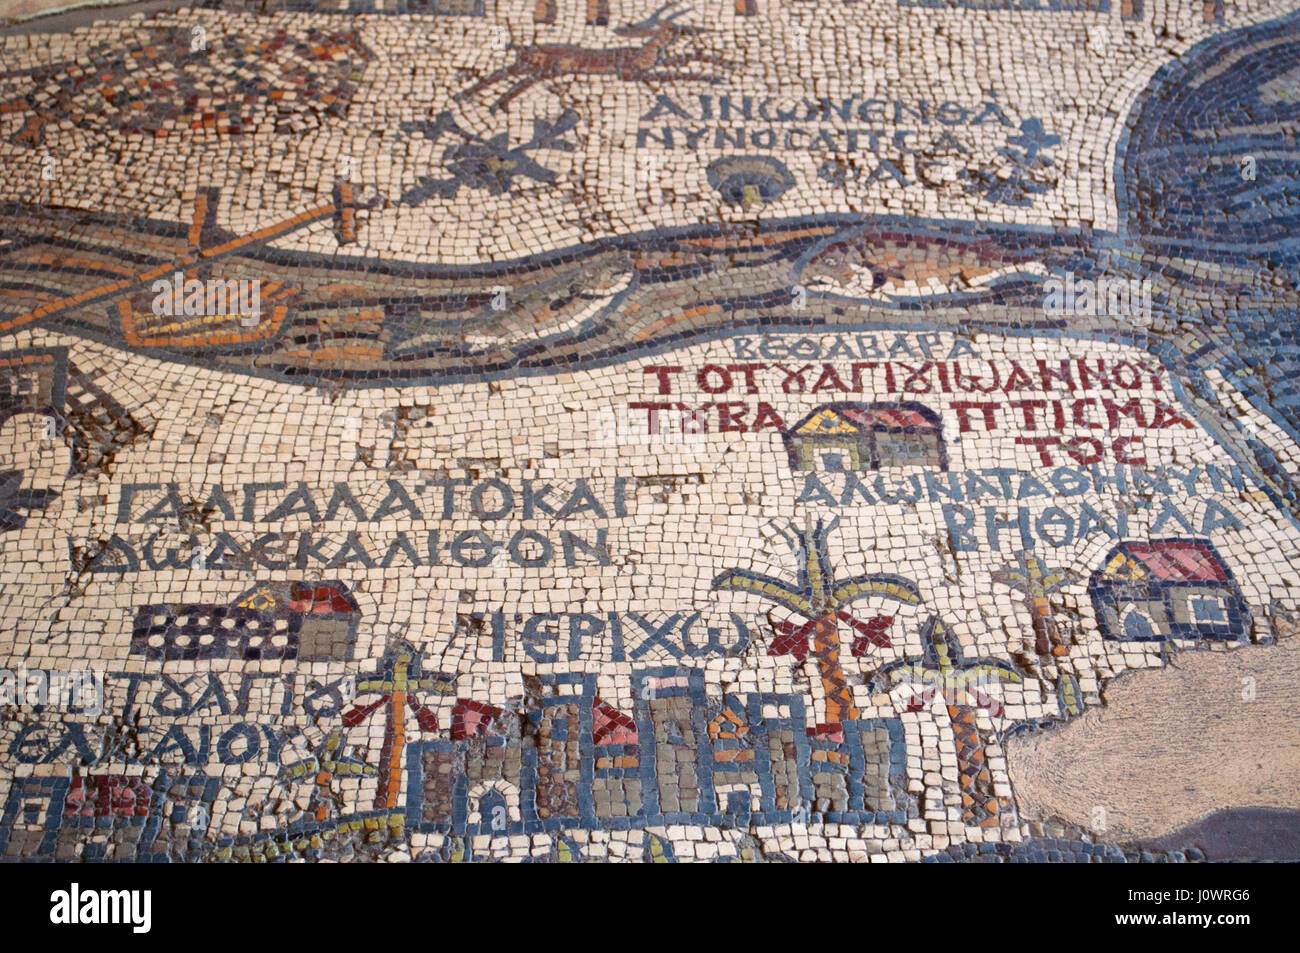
point(1168, 589)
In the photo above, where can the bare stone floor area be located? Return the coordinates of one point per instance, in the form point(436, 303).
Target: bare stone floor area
point(622, 431)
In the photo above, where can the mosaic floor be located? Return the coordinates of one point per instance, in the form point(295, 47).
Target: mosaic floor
point(732, 430)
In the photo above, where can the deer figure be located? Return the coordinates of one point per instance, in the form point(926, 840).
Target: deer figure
point(644, 63)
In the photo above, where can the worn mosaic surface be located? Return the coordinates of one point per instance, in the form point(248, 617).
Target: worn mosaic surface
point(723, 431)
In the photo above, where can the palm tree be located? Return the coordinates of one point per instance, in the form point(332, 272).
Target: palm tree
point(1031, 577)
point(943, 670)
point(819, 598)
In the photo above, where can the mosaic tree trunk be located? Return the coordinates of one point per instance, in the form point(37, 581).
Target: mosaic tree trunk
point(1047, 637)
point(980, 806)
point(394, 747)
point(826, 647)
point(1030, 577)
point(943, 670)
point(821, 599)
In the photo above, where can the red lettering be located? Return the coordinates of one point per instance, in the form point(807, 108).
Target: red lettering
point(794, 376)
point(963, 407)
point(1042, 444)
point(751, 385)
point(1027, 407)
point(1047, 375)
point(702, 378)
point(857, 367)
point(729, 419)
point(665, 385)
point(1132, 409)
point(767, 417)
point(1120, 447)
point(1079, 407)
point(1075, 449)
point(1018, 380)
point(829, 379)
